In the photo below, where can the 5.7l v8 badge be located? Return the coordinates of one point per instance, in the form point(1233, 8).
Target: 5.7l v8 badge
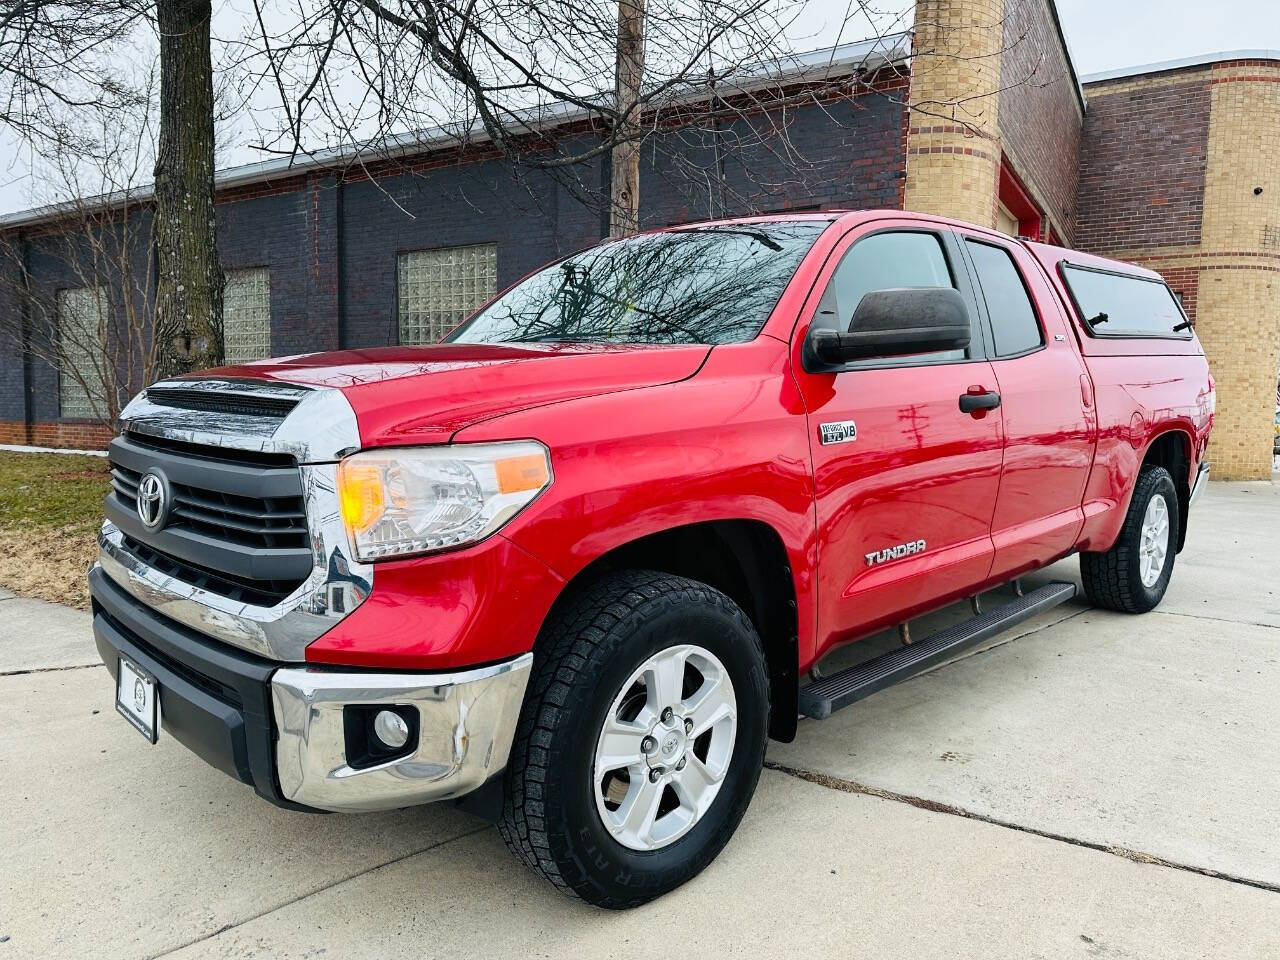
point(842, 431)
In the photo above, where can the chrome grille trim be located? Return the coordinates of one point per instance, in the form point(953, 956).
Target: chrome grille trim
point(318, 430)
point(316, 433)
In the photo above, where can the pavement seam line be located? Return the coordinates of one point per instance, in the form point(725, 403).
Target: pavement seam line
point(1201, 616)
point(23, 673)
point(170, 951)
point(935, 806)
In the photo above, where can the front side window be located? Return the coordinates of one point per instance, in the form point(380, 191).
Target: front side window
point(885, 261)
point(1013, 318)
point(714, 284)
point(1114, 304)
point(82, 321)
point(246, 315)
point(438, 289)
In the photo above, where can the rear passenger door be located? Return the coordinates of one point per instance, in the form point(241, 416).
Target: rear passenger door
point(1046, 399)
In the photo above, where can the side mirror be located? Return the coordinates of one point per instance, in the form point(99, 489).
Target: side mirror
point(892, 323)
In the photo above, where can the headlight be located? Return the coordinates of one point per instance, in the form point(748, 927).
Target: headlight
point(419, 499)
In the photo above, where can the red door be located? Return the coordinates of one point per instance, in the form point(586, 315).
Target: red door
point(905, 482)
point(1047, 402)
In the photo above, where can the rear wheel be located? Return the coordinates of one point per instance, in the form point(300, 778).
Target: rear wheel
point(641, 738)
point(1133, 575)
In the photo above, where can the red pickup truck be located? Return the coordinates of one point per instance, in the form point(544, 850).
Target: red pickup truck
point(574, 565)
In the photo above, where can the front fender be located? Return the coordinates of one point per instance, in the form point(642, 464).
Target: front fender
point(728, 444)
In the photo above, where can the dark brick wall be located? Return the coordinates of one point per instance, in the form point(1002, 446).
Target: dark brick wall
point(844, 154)
point(1143, 164)
point(281, 231)
point(1040, 111)
point(55, 261)
point(58, 259)
point(12, 407)
point(522, 212)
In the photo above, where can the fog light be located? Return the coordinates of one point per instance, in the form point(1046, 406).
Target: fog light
point(391, 729)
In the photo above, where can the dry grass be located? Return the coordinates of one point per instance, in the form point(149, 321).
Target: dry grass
point(50, 511)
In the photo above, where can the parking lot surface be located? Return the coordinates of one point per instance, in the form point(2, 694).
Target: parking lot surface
point(1088, 785)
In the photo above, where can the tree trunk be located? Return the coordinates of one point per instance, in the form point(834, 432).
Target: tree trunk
point(188, 321)
point(624, 186)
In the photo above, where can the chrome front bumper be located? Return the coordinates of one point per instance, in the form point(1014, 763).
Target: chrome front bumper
point(467, 724)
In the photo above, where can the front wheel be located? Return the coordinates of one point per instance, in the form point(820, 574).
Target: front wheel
point(641, 738)
point(1133, 575)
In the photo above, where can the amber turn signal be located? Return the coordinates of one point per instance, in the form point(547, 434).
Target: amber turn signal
point(361, 494)
point(516, 474)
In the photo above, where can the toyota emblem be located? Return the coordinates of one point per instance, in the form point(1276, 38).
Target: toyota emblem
point(153, 500)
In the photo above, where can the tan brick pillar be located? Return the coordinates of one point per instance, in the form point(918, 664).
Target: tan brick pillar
point(1238, 306)
point(953, 134)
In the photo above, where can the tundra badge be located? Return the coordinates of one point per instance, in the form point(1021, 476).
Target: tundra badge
point(842, 431)
point(893, 553)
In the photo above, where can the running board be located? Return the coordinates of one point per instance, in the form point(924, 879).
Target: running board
point(824, 697)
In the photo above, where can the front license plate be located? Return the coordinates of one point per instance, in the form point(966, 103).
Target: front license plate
point(136, 698)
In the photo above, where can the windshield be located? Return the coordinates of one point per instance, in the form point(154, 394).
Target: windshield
point(714, 284)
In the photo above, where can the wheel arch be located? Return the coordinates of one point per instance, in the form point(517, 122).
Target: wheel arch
point(1172, 449)
point(746, 560)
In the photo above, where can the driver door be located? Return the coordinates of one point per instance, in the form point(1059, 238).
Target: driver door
point(905, 481)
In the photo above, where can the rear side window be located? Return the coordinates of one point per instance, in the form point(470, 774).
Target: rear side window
point(1121, 305)
point(1013, 318)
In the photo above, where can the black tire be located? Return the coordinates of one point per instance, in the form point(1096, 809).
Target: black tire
point(590, 646)
point(1113, 579)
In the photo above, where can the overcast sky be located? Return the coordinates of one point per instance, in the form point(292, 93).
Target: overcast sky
point(1108, 34)
point(1102, 34)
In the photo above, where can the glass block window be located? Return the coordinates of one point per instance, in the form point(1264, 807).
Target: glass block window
point(438, 289)
point(246, 315)
point(82, 320)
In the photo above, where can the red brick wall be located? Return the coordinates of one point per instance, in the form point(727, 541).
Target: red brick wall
point(1040, 110)
point(1143, 163)
point(73, 435)
point(1184, 281)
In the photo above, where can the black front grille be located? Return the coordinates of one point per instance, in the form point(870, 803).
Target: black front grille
point(259, 593)
point(248, 521)
point(236, 523)
point(217, 401)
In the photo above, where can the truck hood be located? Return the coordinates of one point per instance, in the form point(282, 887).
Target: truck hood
point(411, 395)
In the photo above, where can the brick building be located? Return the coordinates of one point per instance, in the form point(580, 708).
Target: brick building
point(1169, 165)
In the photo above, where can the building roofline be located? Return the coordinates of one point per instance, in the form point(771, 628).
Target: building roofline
point(1076, 81)
point(825, 63)
point(1201, 60)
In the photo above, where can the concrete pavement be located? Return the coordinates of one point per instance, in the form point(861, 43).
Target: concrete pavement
point(1092, 785)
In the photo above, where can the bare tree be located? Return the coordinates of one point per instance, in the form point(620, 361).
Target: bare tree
point(569, 87)
point(58, 59)
point(628, 86)
point(551, 84)
point(62, 61)
point(188, 322)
